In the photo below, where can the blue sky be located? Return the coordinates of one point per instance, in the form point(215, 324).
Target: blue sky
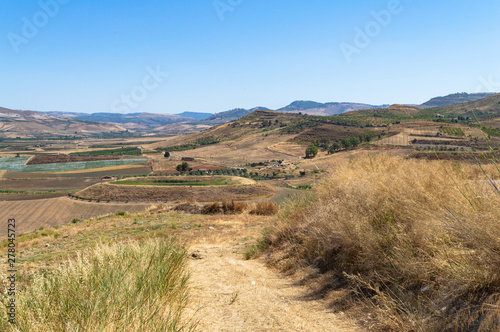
point(211, 56)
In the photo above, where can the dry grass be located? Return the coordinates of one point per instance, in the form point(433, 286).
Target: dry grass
point(132, 286)
point(233, 207)
point(265, 208)
point(417, 241)
point(227, 207)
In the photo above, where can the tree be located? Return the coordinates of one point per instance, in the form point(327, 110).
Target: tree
point(354, 142)
point(323, 143)
point(167, 154)
point(346, 143)
point(334, 147)
point(311, 151)
point(182, 167)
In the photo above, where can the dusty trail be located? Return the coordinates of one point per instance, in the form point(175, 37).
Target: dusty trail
point(234, 294)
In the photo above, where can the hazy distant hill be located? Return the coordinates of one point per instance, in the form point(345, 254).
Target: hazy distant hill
point(234, 114)
point(489, 106)
point(195, 121)
point(195, 115)
point(326, 109)
point(455, 98)
point(137, 121)
point(35, 124)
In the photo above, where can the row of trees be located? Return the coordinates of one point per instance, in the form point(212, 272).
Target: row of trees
point(344, 144)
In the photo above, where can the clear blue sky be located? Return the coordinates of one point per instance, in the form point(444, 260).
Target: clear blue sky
point(86, 56)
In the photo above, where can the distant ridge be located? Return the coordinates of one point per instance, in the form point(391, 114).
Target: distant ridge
point(489, 106)
point(194, 121)
point(325, 109)
point(29, 124)
point(455, 98)
point(234, 114)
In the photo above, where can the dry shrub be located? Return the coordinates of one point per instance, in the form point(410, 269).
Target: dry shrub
point(266, 208)
point(233, 207)
point(187, 208)
point(212, 208)
point(226, 207)
point(419, 241)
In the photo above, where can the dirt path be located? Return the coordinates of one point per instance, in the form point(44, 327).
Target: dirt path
point(234, 294)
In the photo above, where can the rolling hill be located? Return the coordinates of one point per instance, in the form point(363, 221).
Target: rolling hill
point(135, 121)
point(456, 98)
point(485, 107)
point(326, 109)
point(29, 124)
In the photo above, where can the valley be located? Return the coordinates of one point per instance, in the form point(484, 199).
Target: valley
point(235, 191)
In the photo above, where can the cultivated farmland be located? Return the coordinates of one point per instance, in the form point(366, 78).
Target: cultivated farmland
point(241, 190)
point(58, 211)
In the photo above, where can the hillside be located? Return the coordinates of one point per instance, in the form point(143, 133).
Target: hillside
point(326, 109)
point(34, 124)
point(234, 114)
point(455, 98)
point(485, 107)
point(135, 121)
point(195, 115)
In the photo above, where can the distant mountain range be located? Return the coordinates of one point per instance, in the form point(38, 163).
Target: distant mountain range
point(189, 121)
point(136, 121)
point(29, 124)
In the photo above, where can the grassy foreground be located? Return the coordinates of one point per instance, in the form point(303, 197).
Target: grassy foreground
point(131, 286)
point(417, 243)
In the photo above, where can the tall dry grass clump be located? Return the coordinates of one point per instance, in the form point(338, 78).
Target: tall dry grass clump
point(120, 287)
point(418, 241)
point(264, 208)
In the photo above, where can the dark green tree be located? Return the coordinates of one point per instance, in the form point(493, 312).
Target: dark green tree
point(311, 151)
point(182, 167)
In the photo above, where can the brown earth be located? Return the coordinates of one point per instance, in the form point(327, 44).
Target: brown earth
point(119, 193)
point(29, 197)
point(57, 211)
point(230, 293)
point(64, 158)
point(57, 184)
point(484, 157)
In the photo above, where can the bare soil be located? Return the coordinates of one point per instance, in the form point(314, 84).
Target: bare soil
point(57, 184)
point(119, 193)
point(64, 158)
point(233, 294)
point(32, 214)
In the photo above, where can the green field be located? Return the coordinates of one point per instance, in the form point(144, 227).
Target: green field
point(17, 164)
point(115, 152)
point(174, 182)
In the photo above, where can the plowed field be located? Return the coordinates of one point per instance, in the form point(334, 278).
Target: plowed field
point(33, 214)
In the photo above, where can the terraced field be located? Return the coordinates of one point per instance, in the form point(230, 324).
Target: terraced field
point(240, 189)
point(34, 214)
